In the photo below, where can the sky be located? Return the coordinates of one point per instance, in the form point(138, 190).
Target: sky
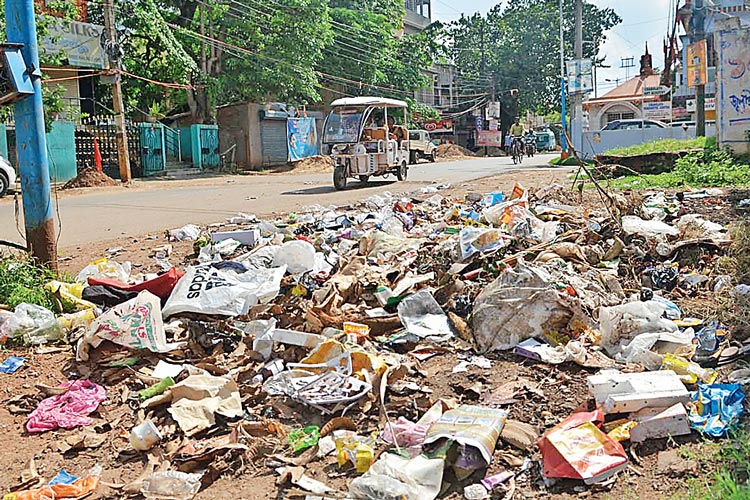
point(642, 21)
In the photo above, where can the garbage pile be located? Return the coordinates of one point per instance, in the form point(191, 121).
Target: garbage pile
point(305, 340)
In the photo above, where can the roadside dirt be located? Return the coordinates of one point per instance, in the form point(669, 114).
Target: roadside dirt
point(544, 395)
point(88, 178)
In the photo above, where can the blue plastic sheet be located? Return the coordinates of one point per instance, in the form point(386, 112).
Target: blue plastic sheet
point(63, 477)
point(11, 364)
point(717, 409)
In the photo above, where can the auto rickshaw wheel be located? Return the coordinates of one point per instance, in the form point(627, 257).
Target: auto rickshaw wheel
point(339, 178)
point(364, 178)
point(402, 172)
point(433, 156)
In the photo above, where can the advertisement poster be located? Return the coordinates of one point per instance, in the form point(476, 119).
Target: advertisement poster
point(580, 76)
point(302, 138)
point(490, 138)
point(439, 126)
point(696, 59)
point(733, 92)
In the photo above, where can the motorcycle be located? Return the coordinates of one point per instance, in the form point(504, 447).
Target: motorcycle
point(530, 145)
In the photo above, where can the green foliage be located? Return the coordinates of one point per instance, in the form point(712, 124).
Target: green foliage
point(663, 146)
point(521, 48)
point(712, 168)
point(707, 168)
point(22, 280)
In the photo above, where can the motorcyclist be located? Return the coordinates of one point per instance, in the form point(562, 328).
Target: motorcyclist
point(530, 143)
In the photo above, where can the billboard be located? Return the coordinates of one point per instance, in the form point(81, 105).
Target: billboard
point(580, 76)
point(658, 110)
point(302, 138)
point(490, 138)
point(79, 42)
point(439, 126)
point(696, 62)
point(733, 89)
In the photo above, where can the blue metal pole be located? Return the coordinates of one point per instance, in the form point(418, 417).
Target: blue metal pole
point(563, 140)
point(31, 141)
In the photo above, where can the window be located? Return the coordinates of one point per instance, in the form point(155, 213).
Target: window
point(628, 115)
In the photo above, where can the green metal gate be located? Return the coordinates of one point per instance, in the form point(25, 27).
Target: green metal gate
point(153, 151)
point(205, 146)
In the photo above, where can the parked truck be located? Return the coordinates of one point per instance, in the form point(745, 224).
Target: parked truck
point(421, 146)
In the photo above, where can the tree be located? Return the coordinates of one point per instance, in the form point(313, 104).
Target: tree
point(518, 47)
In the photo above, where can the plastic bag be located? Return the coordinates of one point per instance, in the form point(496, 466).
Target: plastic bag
point(474, 240)
point(717, 409)
point(206, 290)
point(422, 315)
point(171, 485)
point(620, 324)
point(632, 224)
point(30, 323)
point(396, 478)
point(297, 256)
point(104, 268)
point(520, 304)
point(189, 232)
point(576, 448)
point(79, 488)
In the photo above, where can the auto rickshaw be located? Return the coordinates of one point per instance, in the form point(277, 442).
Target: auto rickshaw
point(362, 137)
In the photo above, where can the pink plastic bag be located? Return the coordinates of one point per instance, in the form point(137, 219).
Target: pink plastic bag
point(67, 410)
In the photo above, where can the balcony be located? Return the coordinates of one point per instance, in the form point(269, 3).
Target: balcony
point(418, 15)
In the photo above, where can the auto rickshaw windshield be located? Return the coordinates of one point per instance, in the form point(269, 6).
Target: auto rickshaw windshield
point(343, 126)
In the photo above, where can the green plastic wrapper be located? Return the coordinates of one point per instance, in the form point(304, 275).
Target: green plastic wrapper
point(156, 389)
point(302, 439)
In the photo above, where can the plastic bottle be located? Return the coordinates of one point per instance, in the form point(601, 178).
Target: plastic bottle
point(172, 485)
point(689, 372)
point(269, 370)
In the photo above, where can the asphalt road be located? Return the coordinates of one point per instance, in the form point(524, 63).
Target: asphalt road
point(107, 213)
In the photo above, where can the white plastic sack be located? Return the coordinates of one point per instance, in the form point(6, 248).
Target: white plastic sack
point(136, 324)
point(298, 256)
point(189, 232)
point(632, 224)
point(520, 304)
point(206, 290)
point(621, 324)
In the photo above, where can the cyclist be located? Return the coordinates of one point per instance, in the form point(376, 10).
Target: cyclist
point(517, 131)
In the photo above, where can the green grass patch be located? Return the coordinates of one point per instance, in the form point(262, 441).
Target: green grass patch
point(22, 280)
point(570, 161)
point(664, 146)
point(707, 168)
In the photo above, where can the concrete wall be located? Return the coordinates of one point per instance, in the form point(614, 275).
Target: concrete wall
point(240, 124)
point(599, 142)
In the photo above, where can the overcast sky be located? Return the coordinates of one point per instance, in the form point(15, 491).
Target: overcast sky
point(642, 21)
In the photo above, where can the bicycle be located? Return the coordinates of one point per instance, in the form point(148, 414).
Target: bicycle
point(517, 150)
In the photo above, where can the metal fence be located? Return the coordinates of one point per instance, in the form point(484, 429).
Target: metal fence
point(103, 128)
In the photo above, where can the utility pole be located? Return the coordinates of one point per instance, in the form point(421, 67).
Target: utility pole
point(577, 123)
point(31, 141)
point(113, 51)
point(563, 141)
point(699, 32)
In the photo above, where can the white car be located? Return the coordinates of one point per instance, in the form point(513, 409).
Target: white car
point(7, 176)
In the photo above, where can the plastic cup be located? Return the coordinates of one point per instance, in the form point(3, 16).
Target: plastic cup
point(144, 436)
